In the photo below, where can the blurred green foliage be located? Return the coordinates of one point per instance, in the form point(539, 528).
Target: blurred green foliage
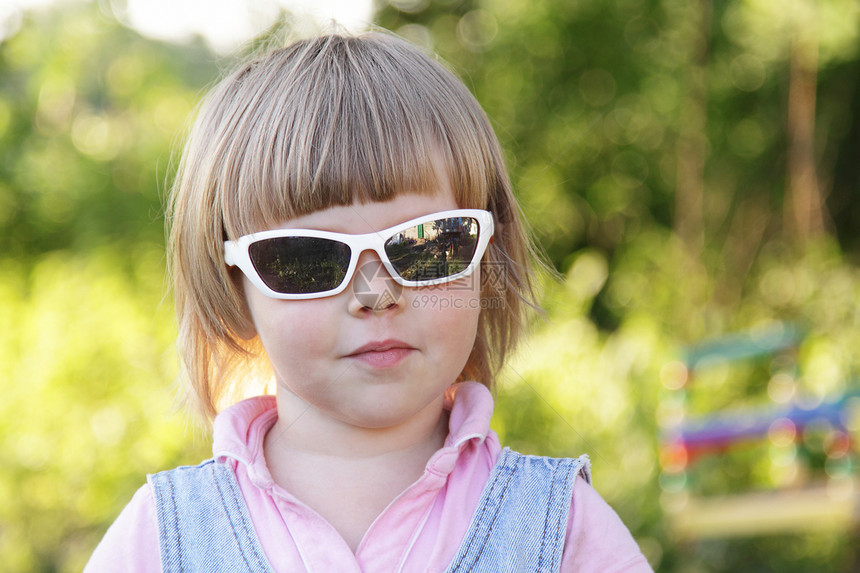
point(88, 112)
point(592, 100)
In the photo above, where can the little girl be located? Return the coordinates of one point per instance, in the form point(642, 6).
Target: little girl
point(343, 224)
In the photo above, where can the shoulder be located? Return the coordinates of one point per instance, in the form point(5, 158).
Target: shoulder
point(131, 541)
point(567, 467)
point(597, 539)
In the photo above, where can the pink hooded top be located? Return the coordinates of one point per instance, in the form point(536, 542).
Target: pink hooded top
point(421, 530)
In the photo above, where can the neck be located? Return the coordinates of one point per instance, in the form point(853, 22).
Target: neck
point(302, 429)
point(348, 474)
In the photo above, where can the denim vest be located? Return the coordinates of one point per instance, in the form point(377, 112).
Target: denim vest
point(519, 525)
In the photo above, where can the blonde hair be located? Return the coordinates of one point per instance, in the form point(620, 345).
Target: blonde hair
point(329, 121)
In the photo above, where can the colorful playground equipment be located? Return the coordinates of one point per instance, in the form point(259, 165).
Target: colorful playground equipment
point(755, 427)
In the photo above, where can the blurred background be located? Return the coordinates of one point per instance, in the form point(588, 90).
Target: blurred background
point(690, 168)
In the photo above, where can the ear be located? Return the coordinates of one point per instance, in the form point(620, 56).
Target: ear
point(246, 329)
point(498, 229)
point(244, 323)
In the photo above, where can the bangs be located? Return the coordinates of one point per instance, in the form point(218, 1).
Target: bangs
point(339, 120)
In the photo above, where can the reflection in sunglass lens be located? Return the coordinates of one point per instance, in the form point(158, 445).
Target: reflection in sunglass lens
point(299, 265)
point(435, 249)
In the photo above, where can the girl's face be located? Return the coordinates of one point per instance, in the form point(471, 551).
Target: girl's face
point(339, 360)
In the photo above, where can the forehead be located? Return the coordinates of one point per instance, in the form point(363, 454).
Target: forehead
point(374, 216)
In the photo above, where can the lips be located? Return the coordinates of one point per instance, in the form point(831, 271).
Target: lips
point(382, 354)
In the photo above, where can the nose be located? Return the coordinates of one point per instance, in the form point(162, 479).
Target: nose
point(372, 288)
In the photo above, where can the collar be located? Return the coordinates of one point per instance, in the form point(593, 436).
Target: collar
point(240, 430)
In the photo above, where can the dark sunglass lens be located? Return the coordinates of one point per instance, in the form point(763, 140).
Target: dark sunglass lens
point(300, 265)
point(435, 249)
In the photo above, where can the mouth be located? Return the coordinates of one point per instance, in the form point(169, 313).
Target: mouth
point(382, 354)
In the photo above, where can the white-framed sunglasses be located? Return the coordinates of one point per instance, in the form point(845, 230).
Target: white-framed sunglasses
point(308, 263)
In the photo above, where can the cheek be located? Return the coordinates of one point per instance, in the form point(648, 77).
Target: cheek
point(282, 328)
point(457, 338)
point(452, 317)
